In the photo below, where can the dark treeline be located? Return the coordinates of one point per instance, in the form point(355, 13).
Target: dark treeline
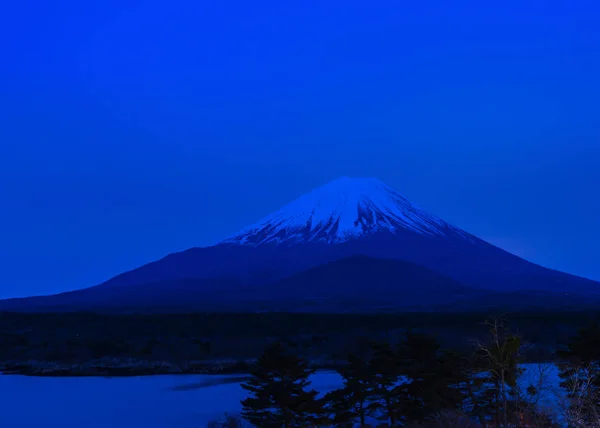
point(181, 340)
point(415, 382)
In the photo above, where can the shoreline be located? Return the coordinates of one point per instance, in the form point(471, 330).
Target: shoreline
point(134, 369)
point(128, 368)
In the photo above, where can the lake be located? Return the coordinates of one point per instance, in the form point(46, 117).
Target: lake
point(178, 401)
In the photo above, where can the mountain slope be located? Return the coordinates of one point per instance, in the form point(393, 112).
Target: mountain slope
point(354, 284)
point(383, 283)
point(360, 283)
point(164, 296)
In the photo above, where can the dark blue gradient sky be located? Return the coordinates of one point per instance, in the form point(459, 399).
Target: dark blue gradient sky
point(131, 129)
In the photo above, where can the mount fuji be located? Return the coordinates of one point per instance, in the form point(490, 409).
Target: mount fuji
point(354, 244)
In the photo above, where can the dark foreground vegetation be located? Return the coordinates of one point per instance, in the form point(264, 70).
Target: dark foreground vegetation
point(416, 383)
point(94, 344)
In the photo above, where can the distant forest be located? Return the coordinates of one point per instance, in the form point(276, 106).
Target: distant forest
point(88, 343)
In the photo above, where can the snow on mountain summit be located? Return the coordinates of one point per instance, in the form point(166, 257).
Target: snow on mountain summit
point(343, 209)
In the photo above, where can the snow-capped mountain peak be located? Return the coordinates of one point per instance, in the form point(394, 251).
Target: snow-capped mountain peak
point(343, 209)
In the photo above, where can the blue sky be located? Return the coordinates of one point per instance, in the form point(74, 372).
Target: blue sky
point(131, 129)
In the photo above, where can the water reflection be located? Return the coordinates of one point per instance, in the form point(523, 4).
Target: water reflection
point(206, 383)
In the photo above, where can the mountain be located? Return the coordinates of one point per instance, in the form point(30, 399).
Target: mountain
point(358, 282)
point(349, 217)
point(276, 258)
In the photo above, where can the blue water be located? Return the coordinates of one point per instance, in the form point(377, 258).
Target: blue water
point(182, 401)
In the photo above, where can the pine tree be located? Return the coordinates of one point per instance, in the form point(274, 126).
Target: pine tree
point(278, 392)
point(433, 377)
point(352, 403)
point(451, 376)
point(384, 365)
point(417, 362)
point(339, 406)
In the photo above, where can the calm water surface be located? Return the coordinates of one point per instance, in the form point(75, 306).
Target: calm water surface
point(184, 401)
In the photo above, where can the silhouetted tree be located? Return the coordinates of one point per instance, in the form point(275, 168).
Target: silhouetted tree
point(384, 365)
point(580, 375)
point(417, 361)
point(496, 371)
point(432, 378)
point(352, 403)
point(278, 392)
